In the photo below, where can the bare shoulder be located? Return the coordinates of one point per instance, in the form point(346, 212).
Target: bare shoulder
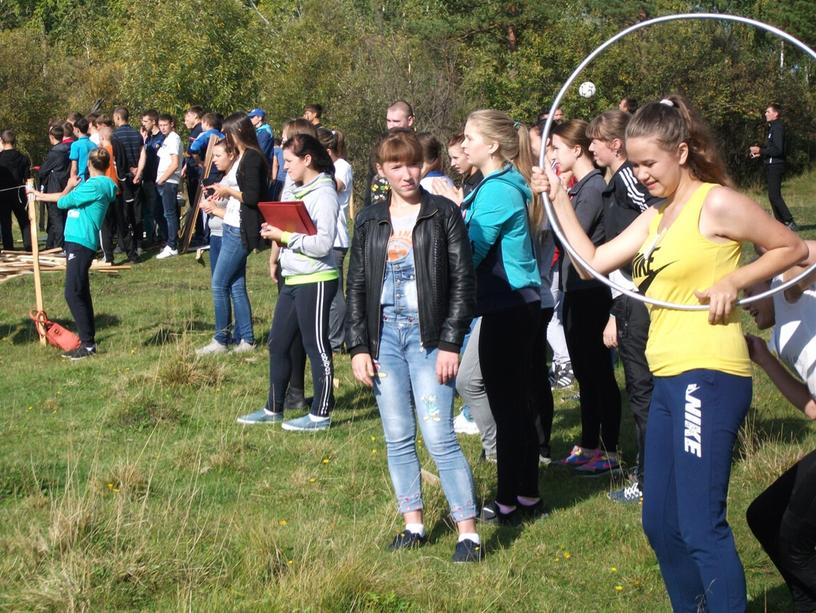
point(722, 201)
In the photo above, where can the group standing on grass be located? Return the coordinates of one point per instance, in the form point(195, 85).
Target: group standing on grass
point(436, 270)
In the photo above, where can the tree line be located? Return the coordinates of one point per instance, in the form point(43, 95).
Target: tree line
point(446, 57)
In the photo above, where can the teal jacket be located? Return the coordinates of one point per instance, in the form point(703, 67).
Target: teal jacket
point(87, 204)
point(503, 255)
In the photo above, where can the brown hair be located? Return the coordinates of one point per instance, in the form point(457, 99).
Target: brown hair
point(334, 140)
point(456, 140)
point(513, 140)
point(302, 126)
point(431, 150)
point(400, 145)
point(673, 121)
point(100, 159)
point(574, 133)
point(608, 126)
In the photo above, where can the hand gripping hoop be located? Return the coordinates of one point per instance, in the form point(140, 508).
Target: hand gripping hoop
point(548, 206)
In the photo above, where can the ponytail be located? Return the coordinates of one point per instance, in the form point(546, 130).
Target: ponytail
point(673, 121)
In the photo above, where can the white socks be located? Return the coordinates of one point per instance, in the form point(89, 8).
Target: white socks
point(416, 528)
point(317, 418)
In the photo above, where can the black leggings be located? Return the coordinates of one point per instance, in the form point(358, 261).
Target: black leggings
point(541, 396)
point(505, 353)
point(305, 309)
point(78, 290)
point(586, 313)
point(783, 519)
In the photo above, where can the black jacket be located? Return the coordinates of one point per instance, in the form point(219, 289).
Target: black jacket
point(446, 284)
point(15, 168)
point(252, 182)
point(55, 169)
point(773, 151)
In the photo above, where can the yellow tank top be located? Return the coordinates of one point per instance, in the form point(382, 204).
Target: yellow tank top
point(670, 266)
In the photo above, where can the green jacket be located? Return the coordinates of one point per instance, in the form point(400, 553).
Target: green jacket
point(87, 204)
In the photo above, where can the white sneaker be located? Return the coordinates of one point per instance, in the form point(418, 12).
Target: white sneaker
point(213, 348)
point(243, 347)
point(463, 425)
point(166, 253)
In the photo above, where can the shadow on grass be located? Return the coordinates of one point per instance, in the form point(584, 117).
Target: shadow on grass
point(23, 332)
point(775, 599)
point(170, 334)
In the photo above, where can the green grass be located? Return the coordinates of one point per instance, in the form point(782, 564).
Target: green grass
point(126, 484)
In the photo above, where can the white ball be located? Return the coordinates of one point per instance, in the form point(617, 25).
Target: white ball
point(587, 89)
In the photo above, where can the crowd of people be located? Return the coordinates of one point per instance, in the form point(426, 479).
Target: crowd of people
point(466, 264)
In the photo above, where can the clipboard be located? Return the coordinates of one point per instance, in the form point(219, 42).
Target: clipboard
point(290, 216)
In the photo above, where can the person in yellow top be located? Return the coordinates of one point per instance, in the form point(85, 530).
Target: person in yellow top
point(687, 251)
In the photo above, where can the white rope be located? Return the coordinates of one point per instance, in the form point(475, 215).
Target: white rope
point(548, 206)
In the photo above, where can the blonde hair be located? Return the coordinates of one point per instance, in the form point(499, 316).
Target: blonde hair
point(513, 142)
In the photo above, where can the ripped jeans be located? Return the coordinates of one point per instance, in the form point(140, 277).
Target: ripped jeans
point(407, 390)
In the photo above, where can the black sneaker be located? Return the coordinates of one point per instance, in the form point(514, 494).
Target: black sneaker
point(491, 514)
point(80, 353)
point(407, 540)
point(533, 512)
point(467, 551)
point(295, 400)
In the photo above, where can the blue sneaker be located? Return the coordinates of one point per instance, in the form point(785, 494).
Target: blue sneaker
point(261, 416)
point(306, 424)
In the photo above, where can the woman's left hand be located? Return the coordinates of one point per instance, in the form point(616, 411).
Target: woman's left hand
point(721, 298)
point(222, 191)
point(271, 232)
point(447, 365)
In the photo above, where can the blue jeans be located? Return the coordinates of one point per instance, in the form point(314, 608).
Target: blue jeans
point(168, 193)
point(229, 282)
point(694, 418)
point(406, 388)
point(215, 249)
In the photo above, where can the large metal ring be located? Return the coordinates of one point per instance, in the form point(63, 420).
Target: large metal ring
point(548, 207)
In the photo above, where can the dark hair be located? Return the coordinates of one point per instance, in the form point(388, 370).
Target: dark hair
point(304, 144)
point(56, 131)
point(213, 120)
point(100, 159)
point(8, 137)
point(673, 121)
point(400, 145)
point(91, 117)
point(73, 116)
point(431, 150)
point(776, 107)
point(68, 129)
point(167, 117)
point(82, 124)
point(574, 132)
point(333, 140)
point(104, 120)
point(152, 113)
point(239, 129)
point(122, 112)
point(315, 108)
point(456, 140)
point(630, 105)
point(302, 126)
point(195, 110)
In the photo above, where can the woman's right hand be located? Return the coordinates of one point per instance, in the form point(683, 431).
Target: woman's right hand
point(443, 188)
point(545, 181)
point(363, 369)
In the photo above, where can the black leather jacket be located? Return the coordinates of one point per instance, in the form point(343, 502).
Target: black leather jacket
point(446, 285)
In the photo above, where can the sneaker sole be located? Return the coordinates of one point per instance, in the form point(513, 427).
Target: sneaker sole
point(291, 428)
point(247, 422)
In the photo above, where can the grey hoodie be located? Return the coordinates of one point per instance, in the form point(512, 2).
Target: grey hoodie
point(310, 254)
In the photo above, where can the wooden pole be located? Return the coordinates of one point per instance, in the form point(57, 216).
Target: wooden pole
point(192, 214)
point(35, 251)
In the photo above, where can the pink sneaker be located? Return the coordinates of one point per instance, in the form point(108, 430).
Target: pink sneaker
point(578, 457)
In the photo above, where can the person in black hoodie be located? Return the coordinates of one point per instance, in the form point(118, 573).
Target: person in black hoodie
point(53, 179)
point(15, 168)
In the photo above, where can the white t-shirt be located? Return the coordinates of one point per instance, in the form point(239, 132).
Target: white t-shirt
point(232, 216)
point(170, 147)
point(794, 334)
point(343, 172)
point(428, 181)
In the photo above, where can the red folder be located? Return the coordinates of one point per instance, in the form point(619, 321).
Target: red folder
point(288, 216)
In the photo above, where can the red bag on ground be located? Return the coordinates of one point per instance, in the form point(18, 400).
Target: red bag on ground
point(55, 334)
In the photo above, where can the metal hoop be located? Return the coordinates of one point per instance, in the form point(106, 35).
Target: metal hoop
point(548, 206)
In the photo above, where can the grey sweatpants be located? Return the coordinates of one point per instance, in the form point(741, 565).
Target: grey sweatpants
point(471, 388)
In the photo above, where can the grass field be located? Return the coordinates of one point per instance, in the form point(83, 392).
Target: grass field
point(125, 483)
